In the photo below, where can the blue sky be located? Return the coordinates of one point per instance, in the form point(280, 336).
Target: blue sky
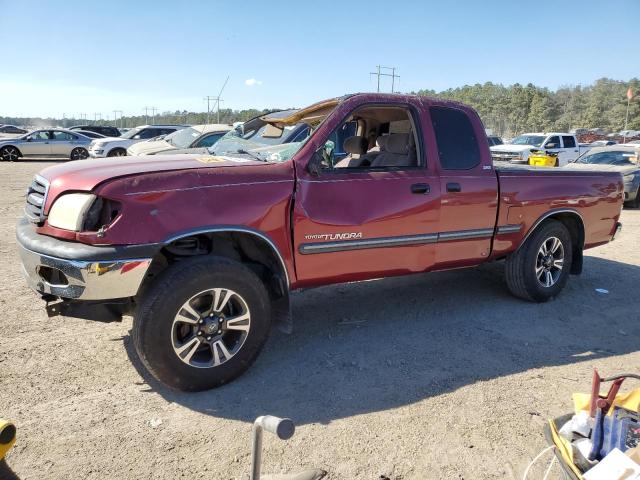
point(76, 57)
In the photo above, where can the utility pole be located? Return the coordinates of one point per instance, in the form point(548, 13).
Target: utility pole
point(146, 113)
point(115, 118)
point(379, 74)
point(208, 98)
point(217, 99)
point(95, 118)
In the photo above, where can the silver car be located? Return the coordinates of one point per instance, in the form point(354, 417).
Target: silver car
point(49, 142)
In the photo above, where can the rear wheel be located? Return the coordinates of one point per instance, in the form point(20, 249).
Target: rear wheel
point(9, 154)
point(79, 153)
point(539, 269)
point(117, 152)
point(635, 203)
point(202, 323)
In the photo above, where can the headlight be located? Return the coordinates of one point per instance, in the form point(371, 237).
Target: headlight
point(68, 211)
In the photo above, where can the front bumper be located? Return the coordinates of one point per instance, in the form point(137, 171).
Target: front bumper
point(88, 272)
point(97, 153)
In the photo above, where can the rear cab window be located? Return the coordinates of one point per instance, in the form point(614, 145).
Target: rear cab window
point(456, 139)
point(568, 141)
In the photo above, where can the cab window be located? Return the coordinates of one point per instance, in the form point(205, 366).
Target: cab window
point(373, 138)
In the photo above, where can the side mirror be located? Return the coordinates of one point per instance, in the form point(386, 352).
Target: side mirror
point(549, 145)
point(136, 137)
point(29, 139)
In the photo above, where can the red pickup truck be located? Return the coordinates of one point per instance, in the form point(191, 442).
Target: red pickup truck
point(203, 250)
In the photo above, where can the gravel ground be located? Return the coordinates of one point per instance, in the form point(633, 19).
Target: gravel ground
point(442, 375)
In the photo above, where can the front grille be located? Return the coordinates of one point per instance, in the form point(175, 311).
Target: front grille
point(36, 198)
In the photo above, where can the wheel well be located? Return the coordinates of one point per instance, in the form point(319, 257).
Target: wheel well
point(248, 248)
point(116, 149)
point(573, 222)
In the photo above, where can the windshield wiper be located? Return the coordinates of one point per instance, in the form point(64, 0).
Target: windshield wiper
point(252, 155)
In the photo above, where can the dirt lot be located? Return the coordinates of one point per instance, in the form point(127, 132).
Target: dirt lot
point(423, 377)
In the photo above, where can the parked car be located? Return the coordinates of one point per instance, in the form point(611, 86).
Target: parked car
point(52, 142)
point(117, 146)
point(493, 140)
point(208, 247)
point(89, 134)
point(105, 130)
point(11, 131)
point(518, 150)
point(617, 158)
point(196, 137)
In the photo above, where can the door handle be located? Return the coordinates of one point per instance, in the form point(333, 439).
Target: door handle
point(454, 187)
point(420, 188)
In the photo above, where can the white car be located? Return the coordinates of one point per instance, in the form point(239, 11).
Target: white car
point(196, 137)
point(518, 150)
point(117, 146)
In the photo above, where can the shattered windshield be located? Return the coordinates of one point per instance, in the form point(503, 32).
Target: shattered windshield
point(182, 138)
point(252, 143)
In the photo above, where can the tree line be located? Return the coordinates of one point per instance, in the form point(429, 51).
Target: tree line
point(507, 110)
point(515, 109)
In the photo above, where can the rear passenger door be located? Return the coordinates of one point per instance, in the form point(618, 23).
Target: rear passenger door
point(469, 189)
point(570, 150)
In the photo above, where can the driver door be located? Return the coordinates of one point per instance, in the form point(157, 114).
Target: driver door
point(38, 144)
point(360, 223)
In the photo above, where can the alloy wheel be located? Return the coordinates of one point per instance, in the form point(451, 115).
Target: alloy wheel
point(210, 328)
point(9, 154)
point(549, 262)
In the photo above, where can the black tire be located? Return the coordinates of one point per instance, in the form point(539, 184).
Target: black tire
point(9, 153)
point(153, 323)
point(635, 203)
point(520, 268)
point(117, 152)
point(79, 153)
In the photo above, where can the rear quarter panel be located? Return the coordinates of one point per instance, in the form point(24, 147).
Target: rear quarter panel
point(527, 195)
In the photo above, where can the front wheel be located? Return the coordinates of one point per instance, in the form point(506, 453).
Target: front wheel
point(9, 154)
point(117, 152)
point(79, 153)
point(539, 269)
point(202, 323)
point(635, 203)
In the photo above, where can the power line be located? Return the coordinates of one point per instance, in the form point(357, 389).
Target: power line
point(380, 74)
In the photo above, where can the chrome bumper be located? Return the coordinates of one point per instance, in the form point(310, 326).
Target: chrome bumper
point(83, 280)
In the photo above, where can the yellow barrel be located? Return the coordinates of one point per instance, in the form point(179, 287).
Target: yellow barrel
point(7, 436)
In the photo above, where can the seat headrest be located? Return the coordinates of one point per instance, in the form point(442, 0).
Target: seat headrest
point(398, 143)
point(381, 142)
point(356, 145)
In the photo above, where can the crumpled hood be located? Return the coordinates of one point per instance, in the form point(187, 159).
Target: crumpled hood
point(591, 167)
point(85, 175)
point(512, 148)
